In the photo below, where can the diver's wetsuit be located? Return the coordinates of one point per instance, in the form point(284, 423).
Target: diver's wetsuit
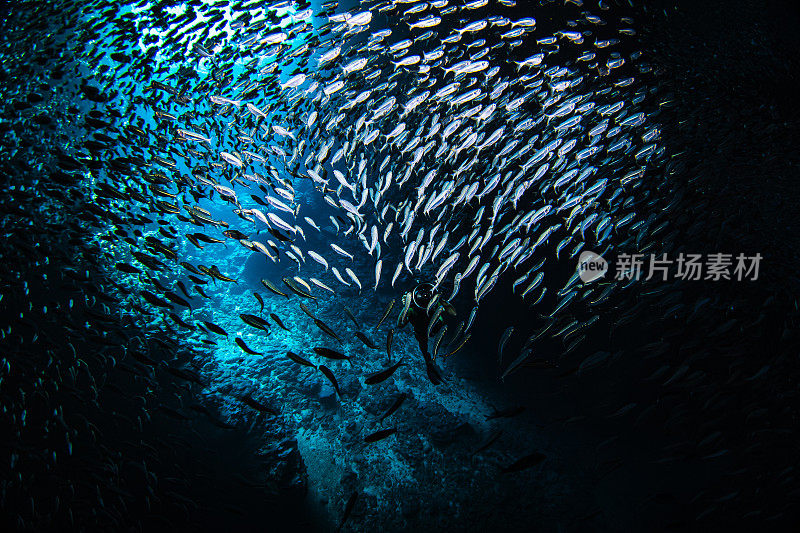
point(420, 321)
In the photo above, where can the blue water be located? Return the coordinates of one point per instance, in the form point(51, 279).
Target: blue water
point(121, 419)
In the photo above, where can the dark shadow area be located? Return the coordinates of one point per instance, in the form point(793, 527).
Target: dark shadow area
point(688, 418)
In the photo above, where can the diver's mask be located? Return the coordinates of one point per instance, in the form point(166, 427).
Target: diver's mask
point(422, 295)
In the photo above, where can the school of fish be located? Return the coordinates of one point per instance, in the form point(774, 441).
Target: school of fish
point(353, 151)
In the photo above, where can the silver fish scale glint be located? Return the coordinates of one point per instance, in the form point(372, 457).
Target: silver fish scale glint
point(441, 143)
point(438, 124)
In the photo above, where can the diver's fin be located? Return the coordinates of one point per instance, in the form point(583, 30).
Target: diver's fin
point(433, 373)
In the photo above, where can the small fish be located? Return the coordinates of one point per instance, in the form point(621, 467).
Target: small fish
point(182, 287)
point(255, 321)
point(434, 320)
point(318, 258)
point(214, 328)
point(246, 348)
point(341, 252)
point(269, 285)
point(321, 285)
point(463, 342)
point(175, 318)
point(191, 268)
point(339, 276)
point(299, 360)
point(326, 329)
point(328, 374)
point(503, 340)
point(198, 288)
point(155, 300)
point(395, 406)
point(278, 321)
point(297, 289)
point(386, 313)
point(380, 435)
point(438, 341)
point(258, 406)
point(352, 317)
point(307, 311)
point(383, 375)
point(171, 296)
point(234, 234)
point(489, 441)
point(366, 340)
point(353, 277)
point(220, 276)
point(206, 239)
point(406, 306)
point(524, 463)
point(378, 268)
point(260, 301)
point(330, 354)
point(524, 356)
point(348, 509)
point(128, 269)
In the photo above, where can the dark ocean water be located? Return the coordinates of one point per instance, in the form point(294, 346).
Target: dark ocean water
point(678, 411)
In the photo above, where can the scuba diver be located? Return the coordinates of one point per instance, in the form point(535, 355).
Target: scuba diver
point(420, 306)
